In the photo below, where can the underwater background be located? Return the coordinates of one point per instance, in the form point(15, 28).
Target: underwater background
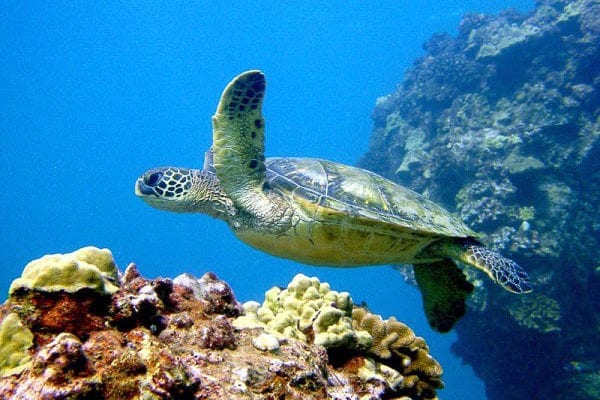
point(91, 95)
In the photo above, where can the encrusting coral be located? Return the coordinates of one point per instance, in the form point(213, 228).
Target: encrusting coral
point(15, 341)
point(127, 337)
point(86, 268)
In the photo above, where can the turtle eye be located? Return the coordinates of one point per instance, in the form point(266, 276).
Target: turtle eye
point(153, 178)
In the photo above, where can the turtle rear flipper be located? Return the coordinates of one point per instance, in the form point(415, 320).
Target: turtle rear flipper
point(502, 270)
point(445, 290)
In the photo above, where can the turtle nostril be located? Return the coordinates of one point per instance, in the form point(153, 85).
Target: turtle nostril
point(153, 178)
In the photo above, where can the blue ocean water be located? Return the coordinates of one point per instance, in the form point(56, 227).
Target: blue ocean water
point(94, 93)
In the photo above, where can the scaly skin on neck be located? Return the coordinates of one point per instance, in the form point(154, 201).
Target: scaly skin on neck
point(185, 190)
point(207, 196)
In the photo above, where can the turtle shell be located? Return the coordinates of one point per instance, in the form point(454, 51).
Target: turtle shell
point(362, 195)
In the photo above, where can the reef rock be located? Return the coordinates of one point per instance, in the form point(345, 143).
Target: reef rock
point(502, 124)
point(74, 328)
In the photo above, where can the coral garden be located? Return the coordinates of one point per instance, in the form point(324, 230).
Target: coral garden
point(501, 124)
point(74, 328)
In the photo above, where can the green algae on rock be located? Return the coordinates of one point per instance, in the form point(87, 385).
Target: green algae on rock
point(538, 312)
point(175, 339)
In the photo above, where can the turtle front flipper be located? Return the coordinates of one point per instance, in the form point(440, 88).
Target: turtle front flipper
point(238, 138)
point(444, 290)
point(502, 270)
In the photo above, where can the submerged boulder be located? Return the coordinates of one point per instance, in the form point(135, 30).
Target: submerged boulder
point(502, 125)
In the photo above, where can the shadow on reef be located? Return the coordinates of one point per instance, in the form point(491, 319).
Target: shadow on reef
point(501, 124)
point(74, 328)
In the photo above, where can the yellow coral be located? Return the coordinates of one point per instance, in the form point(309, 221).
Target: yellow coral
point(86, 268)
point(307, 310)
point(310, 311)
point(389, 335)
point(15, 341)
point(374, 370)
point(395, 344)
point(266, 342)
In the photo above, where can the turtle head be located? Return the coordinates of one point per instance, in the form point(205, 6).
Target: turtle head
point(184, 190)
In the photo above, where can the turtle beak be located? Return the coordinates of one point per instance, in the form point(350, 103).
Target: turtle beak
point(141, 189)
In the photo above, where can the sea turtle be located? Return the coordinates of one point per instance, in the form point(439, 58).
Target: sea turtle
point(323, 213)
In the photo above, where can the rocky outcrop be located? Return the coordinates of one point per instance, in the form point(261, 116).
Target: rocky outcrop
point(501, 124)
point(74, 328)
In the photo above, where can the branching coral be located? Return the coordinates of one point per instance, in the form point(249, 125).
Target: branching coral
point(396, 345)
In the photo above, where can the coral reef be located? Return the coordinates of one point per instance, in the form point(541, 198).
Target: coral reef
point(310, 311)
point(129, 338)
point(502, 124)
